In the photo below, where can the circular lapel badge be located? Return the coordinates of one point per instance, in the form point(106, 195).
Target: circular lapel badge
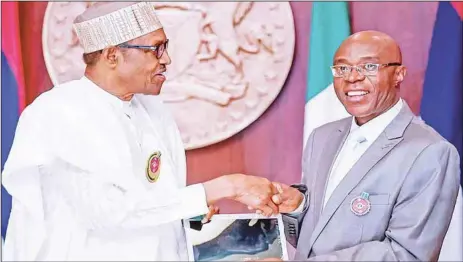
point(153, 167)
point(360, 205)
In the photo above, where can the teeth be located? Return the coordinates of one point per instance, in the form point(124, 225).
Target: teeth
point(357, 93)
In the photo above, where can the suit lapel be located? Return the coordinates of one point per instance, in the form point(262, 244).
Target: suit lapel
point(391, 136)
point(331, 151)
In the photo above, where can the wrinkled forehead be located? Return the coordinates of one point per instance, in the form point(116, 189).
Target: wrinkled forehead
point(374, 51)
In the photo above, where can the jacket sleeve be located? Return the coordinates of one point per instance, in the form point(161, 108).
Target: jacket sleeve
point(101, 202)
point(293, 221)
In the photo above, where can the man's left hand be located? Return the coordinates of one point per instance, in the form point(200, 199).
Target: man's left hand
point(212, 211)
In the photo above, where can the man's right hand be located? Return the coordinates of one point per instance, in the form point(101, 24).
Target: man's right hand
point(288, 198)
point(255, 192)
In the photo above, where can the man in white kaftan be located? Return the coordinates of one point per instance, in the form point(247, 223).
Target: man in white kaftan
point(97, 169)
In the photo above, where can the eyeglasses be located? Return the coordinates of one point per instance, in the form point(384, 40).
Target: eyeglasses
point(368, 69)
point(158, 50)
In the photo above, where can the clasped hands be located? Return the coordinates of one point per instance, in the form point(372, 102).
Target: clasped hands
point(257, 193)
point(277, 198)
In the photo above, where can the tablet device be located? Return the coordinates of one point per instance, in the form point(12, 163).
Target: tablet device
point(236, 237)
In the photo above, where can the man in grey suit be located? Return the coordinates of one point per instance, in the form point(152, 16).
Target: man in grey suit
point(380, 186)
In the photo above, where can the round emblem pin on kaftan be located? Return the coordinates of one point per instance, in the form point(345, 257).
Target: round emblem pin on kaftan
point(153, 167)
point(360, 205)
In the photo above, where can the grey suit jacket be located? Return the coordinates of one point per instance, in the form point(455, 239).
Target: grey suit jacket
point(412, 175)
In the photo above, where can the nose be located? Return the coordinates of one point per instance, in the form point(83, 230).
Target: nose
point(165, 58)
point(355, 76)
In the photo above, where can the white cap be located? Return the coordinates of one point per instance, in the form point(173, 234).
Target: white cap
point(116, 26)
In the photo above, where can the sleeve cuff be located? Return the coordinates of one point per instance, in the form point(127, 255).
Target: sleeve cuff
point(299, 209)
point(194, 201)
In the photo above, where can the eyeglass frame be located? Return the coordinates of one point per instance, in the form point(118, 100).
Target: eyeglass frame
point(154, 48)
point(357, 68)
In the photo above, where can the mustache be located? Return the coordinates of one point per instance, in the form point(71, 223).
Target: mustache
point(161, 70)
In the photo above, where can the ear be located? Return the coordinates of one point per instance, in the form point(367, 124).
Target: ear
point(400, 73)
point(111, 56)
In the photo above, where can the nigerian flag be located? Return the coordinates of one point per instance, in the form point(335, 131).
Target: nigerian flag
point(329, 27)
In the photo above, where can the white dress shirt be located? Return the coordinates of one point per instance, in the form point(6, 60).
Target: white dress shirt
point(360, 138)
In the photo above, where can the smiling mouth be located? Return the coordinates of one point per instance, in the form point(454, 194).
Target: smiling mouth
point(356, 93)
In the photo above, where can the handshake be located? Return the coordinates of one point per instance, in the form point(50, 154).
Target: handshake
point(258, 193)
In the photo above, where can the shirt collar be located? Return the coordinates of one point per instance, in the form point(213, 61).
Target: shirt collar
point(104, 95)
point(373, 128)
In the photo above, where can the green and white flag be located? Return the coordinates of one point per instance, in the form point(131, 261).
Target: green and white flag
point(329, 27)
